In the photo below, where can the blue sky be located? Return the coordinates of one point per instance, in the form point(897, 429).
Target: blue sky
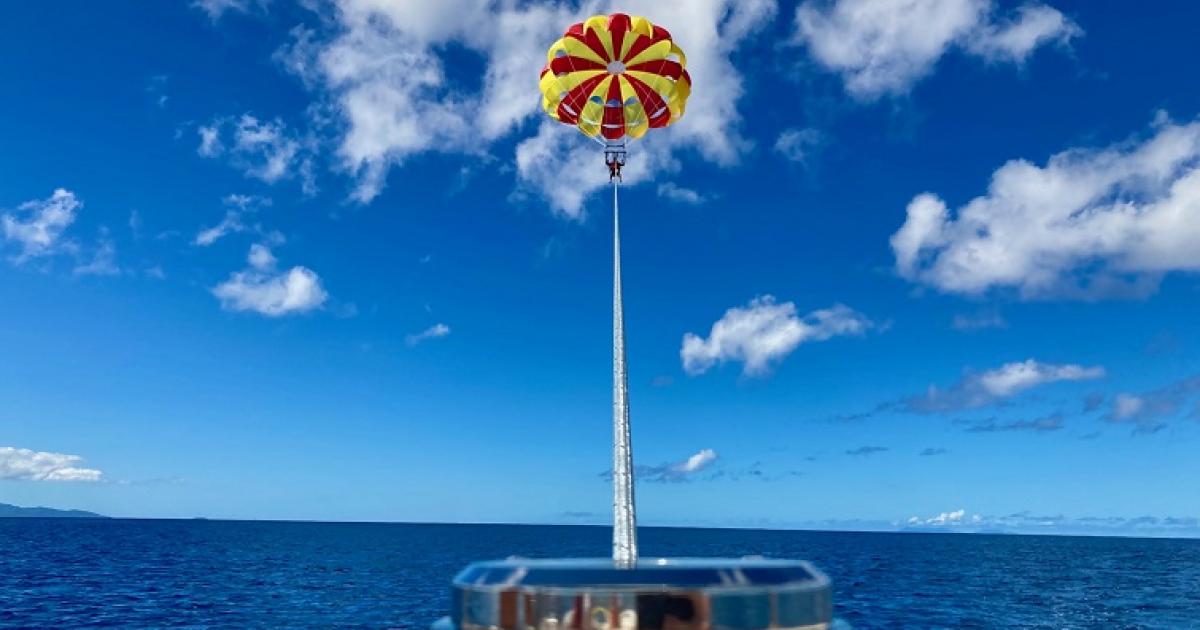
point(328, 260)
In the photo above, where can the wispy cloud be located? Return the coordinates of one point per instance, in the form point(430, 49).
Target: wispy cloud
point(103, 261)
point(1044, 424)
point(1091, 223)
point(883, 47)
point(970, 322)
point(799, 145)
point(986, 388)
point(932, 452)
point(266, 150)
point(237, 208)
point(37, 226)
point(22, 464)
point(1027, 522)
point(764, 332)
point(265, 290)
point(678, 194)
point(433, 332)
point(865, 451)
point(674, 472)
point(1148, 412)
point(215, 9)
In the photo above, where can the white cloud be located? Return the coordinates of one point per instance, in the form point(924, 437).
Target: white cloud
point(946, 518)
point(1008, 380)
point(231, 223)
point(1029, 522)
point(22, 464)
point(1090, 223)
point(263, 289)
point(433, 332)
point(1126, 406)
point(38, 225)
point(678, 194)
point(798, 145)
point(763, 332)
point(103, 262)
point(696, 462)
point(882, 47)
point(210, 140)
point(1015, 39)
point(384, 73)
point(1013, 378)
point(217, 8)
point(237, 207)
point(262, 149)
point(677, 472)
point(1147, 412)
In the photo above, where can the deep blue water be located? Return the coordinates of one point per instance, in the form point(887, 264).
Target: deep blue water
point(62, 573)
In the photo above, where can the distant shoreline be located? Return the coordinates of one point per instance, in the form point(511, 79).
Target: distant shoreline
point(16, 511)
point(84, 515)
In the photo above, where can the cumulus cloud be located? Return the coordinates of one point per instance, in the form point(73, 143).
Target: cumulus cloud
point(262, 149)
point(37, 226)
point(1090, 223)
point(1148, 412)
point(986, 388)
point(22, 464)
point(764, 332)
point(884, 47)
point(433, 332)
point(264, 289)
point(941, 520)
point(675, 472)
point(384, 72)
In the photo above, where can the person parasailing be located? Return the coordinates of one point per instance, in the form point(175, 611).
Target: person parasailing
point(614, 161)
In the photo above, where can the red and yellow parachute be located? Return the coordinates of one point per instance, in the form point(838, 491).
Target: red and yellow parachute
point(615, 76)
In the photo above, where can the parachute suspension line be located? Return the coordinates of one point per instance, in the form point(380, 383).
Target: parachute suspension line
point(624, 514)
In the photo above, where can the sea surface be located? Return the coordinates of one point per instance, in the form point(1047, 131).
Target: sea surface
point(152, 573)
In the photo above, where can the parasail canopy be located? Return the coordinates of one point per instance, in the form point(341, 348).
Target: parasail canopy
point(615, 76)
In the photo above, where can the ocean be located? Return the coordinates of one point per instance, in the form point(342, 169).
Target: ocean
point(157, 573)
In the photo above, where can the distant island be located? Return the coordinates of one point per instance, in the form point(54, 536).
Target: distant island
point(16, 511)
